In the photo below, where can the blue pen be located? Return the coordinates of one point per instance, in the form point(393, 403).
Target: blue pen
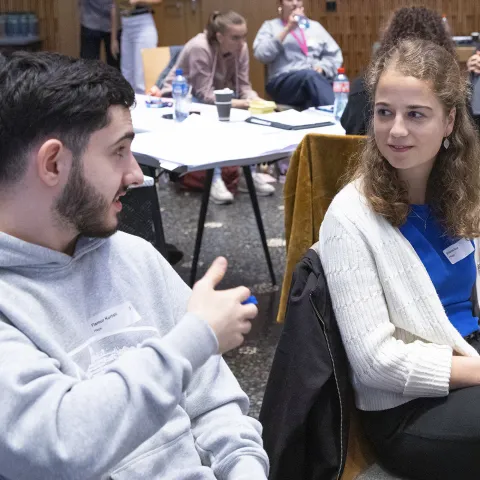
point(250, 299)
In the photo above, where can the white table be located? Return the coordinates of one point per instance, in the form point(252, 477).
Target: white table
point(202, 142)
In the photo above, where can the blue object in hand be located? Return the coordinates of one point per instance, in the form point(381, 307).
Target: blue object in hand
point(250, 299)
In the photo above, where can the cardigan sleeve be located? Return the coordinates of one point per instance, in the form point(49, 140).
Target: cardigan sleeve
point(377, 359)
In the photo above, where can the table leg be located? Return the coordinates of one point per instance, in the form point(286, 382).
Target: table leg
point(256, 209)
point(201, 224)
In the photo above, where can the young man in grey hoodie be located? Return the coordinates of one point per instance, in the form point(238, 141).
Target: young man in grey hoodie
point(110, 367)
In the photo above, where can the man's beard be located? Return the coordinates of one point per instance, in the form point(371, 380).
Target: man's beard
point(83, 207)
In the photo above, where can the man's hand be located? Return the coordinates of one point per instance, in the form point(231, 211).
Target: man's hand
point(154, 92)
point(319, 70)
point(473, 63)
point(222, 310)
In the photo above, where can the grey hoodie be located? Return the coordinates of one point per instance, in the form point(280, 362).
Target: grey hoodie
point(104, 376)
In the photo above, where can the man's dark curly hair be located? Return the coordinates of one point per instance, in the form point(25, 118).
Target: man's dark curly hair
point(416, 23)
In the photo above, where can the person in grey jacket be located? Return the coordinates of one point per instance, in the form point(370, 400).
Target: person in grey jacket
point(302, 63)
point(111, 366)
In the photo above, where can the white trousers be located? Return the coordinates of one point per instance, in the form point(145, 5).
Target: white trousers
point(138, 32)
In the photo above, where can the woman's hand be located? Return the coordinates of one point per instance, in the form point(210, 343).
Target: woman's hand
point(154, 92)
point(240, 103)
point(114, 47)
point(292, 23)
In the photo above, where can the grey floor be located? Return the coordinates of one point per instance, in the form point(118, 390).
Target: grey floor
point(231, 231)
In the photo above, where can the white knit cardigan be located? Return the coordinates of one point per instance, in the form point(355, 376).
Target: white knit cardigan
point(397, 336)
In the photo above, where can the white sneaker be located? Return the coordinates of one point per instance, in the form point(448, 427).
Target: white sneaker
point(263, 188)
point(219, 193)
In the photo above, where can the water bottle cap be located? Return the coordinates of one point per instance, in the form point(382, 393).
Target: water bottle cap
point(341, 70)
point(178, 71)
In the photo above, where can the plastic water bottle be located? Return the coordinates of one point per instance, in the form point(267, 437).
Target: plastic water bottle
point(180, 90)
point(303, 22)
point(341, 89)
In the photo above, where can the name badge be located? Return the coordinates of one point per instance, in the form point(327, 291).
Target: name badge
point(458, 251)
point(113, 319)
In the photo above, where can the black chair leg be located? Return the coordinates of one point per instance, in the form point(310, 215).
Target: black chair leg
point(201, 224)
point(256, 209)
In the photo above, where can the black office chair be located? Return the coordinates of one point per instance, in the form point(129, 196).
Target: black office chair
point(141, 215)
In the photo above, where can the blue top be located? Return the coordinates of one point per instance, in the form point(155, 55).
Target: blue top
point(453, 282)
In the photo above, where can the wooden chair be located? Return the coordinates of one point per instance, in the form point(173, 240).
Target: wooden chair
point(154, 60)
point(313, 179)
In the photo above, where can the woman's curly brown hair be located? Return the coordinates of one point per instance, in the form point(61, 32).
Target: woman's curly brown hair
point(453, 189)
point(416, 22)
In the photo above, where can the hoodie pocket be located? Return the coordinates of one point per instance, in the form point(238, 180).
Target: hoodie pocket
point(175, 460)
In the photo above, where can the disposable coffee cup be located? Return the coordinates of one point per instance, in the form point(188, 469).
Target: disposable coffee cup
point(223, 101)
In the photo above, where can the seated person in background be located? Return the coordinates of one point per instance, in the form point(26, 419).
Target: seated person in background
point(110, 363)
point(399, 259)
point(302, 63)
point(407, 22)
point(473, 66)
point(213, 60)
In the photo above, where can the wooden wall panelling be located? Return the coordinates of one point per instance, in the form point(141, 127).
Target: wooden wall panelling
point(68, 27)
point(178, 20)
point(356, 24)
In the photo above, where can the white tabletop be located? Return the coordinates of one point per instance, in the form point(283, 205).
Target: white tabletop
point(203, 142)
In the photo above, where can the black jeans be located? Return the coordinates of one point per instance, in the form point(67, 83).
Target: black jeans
point(90, 42)
point(430, 438)
point(302, 89)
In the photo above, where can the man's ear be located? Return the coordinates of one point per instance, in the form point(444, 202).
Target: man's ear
point(52, 162)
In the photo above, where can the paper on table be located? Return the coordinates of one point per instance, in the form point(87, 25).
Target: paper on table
point(196, 142)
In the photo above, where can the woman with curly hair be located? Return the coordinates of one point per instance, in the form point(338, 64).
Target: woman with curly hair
point(401, 267)
point(407, 22)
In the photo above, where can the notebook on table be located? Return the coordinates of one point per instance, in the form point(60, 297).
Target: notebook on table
point(292, 120)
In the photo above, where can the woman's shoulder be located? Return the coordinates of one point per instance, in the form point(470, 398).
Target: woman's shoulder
point(350, 196)
point(350, 203)
point(317, 27)
point(350, 211)
point(198, 43)
point(272, 24)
